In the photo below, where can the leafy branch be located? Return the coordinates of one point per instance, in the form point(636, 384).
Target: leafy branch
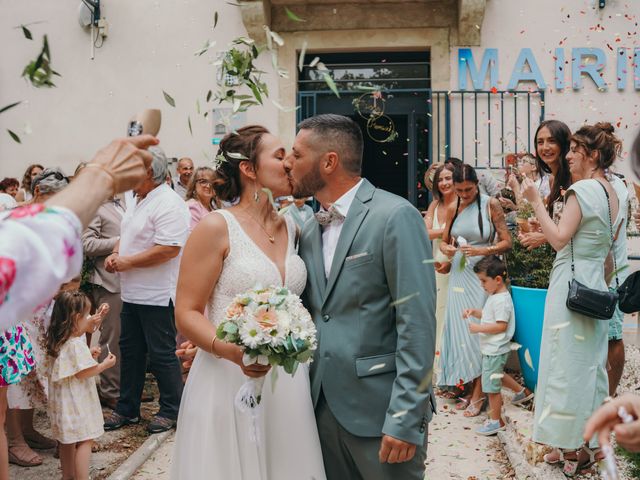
point(39, 72)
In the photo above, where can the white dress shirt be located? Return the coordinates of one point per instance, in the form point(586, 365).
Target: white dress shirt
point(180, 189)
point(331, 232)
point(161, 218)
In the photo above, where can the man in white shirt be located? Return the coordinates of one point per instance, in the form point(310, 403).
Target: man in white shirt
point(147, 257)
point(184, 170)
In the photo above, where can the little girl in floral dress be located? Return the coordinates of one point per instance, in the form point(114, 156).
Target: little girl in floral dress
point(74, 407)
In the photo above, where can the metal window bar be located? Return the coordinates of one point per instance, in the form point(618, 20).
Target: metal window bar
point(486, 144)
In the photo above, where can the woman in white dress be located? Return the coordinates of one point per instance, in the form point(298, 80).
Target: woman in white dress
point(229, 252)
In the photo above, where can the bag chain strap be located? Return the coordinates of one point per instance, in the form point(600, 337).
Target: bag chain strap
point(613, 255)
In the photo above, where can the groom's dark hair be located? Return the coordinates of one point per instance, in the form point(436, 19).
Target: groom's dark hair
point(340, 134)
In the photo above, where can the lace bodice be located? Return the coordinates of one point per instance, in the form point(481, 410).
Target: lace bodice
point(247, 265)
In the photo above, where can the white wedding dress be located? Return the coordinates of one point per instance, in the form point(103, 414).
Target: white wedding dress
point(213, 437)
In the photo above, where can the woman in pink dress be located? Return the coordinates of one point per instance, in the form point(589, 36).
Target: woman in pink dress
point(200, 196)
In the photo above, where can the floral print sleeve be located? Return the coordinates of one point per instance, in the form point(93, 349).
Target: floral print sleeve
point(40, 248)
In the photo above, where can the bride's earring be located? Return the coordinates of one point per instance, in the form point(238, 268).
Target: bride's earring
point(256, 196)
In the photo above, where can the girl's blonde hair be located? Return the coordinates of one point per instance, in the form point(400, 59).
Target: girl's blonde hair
point(67, 306)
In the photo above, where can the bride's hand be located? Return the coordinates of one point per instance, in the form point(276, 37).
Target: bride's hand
point(255, 370)
point(186, 353)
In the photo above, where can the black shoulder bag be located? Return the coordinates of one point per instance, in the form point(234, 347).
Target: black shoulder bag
point(589, 301)
point(629, 293)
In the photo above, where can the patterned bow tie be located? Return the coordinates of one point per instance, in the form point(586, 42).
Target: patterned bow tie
point(327, 217)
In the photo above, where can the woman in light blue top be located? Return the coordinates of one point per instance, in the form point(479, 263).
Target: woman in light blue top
point(473, 223)
point(572, 377)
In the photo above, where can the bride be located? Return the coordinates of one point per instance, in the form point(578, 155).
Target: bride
point(229, 252)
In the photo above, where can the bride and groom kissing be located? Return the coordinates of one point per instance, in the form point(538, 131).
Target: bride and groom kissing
point(358, 411)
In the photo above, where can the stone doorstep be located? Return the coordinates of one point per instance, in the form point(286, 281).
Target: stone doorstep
point(524, 455)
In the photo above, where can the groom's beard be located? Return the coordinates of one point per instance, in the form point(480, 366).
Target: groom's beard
point(309, 184)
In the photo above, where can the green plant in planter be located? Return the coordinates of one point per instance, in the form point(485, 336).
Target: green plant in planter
point(529, 268)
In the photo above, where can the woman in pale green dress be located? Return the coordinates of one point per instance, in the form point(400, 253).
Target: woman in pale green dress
point(572, 377)
point(444, 198)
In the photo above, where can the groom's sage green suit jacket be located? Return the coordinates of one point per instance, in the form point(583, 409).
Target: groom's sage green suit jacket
point(375, 317)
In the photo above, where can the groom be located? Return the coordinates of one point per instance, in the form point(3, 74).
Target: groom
point(371, 292)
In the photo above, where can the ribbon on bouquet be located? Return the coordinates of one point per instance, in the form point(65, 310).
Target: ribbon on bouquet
point(248, 398)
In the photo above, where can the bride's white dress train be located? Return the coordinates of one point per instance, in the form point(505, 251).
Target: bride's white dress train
point(213, 437)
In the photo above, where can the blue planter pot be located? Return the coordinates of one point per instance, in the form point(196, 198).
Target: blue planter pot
point(529, 309)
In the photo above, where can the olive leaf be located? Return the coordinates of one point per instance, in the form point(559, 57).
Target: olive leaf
point(15, 137)
point(205, 48)
point(26, 32)
point(39, 72)
point(169, 99)
point(293, 16)
point(10, 106)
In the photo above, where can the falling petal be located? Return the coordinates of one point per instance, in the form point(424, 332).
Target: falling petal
point(377, 366)
point(404, 299)
point(283, 108)
point(458, 289)
point(238, 156)
point(515, 346)
point(545, 413)
point(426, 382)
point(527, 358)
point(314, 62)
point(205, 47)
point(429, 260)
point(303, 52)
point(215, 19)
point(189, 123)
point(401, 413)
point(293, 16)
point(579, 337)
point(563, 416)
point(270, 196)
point(558, 326)
point(496, 376)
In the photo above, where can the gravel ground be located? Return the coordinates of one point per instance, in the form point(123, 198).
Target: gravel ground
point(110, 451)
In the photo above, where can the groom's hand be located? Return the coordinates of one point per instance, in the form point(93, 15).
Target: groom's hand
point(393, 450)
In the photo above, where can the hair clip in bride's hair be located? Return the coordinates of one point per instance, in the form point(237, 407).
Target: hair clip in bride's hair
point(219, 160)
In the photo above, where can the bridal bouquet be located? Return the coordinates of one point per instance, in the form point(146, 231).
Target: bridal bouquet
point(274, 328)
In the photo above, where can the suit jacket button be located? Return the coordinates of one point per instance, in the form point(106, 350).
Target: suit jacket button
point(326, 317)
point(421, 428)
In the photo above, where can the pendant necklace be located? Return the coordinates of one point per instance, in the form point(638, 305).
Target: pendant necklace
point(271, 238)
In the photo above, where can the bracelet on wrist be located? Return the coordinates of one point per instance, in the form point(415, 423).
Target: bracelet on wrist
point(213, 347)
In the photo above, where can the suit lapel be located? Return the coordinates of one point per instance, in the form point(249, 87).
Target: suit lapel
point(357, 212)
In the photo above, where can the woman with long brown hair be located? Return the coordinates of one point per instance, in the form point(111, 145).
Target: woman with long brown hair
point(552, 146)
point(572, 376)
point(444, 198)
point(25, 193)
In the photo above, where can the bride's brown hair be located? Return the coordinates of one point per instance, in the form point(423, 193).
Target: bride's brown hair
point(240, 146)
